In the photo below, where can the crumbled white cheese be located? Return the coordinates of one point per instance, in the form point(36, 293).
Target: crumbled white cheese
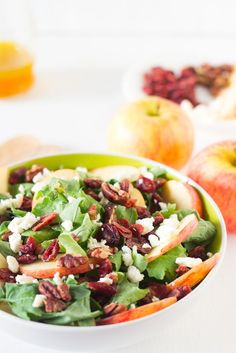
point(12, 264)
point(57, 279)
point(81, 170)
point(117, 185)
point(40, 176)
point(188, 261)
point(167, 228)
point(147, 224)
point(93, 244)
point(144, 172)
point(71, 199)
point(155, 299)
point(134, 275)
point(19, 224)
point(24, 279)
point(163, 205)
point(154, 240)
point(15, 242)
point(132, 306)
point(76, 178)
point(21, 189)
point(38, 186)
point(71, 276)
point(38, 300)
point(127, 255)
point(103, 200)
point(11, 202)
point(209, 254)
point(146, 246)
point(67, 225)
point(106, 280)
point(91, 266)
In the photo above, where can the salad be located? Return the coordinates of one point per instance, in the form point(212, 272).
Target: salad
point(86, 248)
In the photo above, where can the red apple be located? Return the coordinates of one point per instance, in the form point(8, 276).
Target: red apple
point(40, 269)
point(214, 168)
point(137, 313)
point(185, 228)
point(183, 195)
point(154, 128)
point(196, 274)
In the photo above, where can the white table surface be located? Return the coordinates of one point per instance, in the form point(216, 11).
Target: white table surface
point(71, 106)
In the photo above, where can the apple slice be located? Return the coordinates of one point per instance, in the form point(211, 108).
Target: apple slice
point(183, 195)
point(40, 269)
point(117, 172)
point(3, 262)
point(4, 180)
point(185, 228)
point(196, 274)
point(136, 195)
point(137, 313)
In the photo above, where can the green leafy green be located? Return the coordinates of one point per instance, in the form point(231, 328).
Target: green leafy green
point(72, 212)
point(20, 298)
point(130, 214)
point(163, 268)
point(41, 235)
point(128, 293)
point(18, 213)
point(86, 201)
point(157, 172)
point(4, 227)
point(185, 212)
point(86, 230)
point(116, 259)
point(14, 189)
point(70, 245)
point(5, 249)
point(139, 260)
point(53, 202)
point(203, 234)
point(170, 209)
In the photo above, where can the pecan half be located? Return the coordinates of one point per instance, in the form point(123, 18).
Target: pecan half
point(92, 194)
point(70, 261)
point(64, 291)
point(109, 214)
point(181, 269)
point(101, 253)
point(102, 288)
point(45, 220)
point(92, 211)
point(114, 308)
point(7, 276)
point(114, 195)
point(125, 185)
point(18, 176)
point(142, 212)
point(49, 290)
point(54, 305)
point(93, 183)
point(51, 252)
point(123, 231)
point(30, 174)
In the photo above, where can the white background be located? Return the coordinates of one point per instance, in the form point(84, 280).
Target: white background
point(82, 49)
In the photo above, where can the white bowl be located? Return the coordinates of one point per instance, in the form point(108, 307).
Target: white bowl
point(112, 337)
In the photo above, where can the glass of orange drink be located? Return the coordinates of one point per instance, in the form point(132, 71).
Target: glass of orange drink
point(16, 60)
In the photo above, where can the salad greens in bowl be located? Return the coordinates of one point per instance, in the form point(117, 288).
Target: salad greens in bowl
point(93, 240)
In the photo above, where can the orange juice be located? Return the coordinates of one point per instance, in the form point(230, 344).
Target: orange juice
point(16, 74)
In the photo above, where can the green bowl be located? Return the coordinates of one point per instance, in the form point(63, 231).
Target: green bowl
point(95, 160)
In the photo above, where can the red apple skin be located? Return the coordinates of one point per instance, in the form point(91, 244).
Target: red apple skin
point(154, 128)
point(137, 313)
point(196, 200)
point(214, 168)
point(196, 274)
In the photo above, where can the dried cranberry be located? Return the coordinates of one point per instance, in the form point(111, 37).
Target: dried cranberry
point(125, 184)
point(45, 220)
point(198, 251)
point(26, 258)
point(137, 229)
point(29, 247)
point(158, 219)
point(138, 242)
point(142, 212)
point(123, 231)
point(51, 252)
point(105, 267)
point(109, 214)
point(92, 183)
point(7, 276)
point(180, 292)
point(18, 176)
point(26, 204)
point(110, 233)
point(102, 288)
point(146, 185)
point(181, 270)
